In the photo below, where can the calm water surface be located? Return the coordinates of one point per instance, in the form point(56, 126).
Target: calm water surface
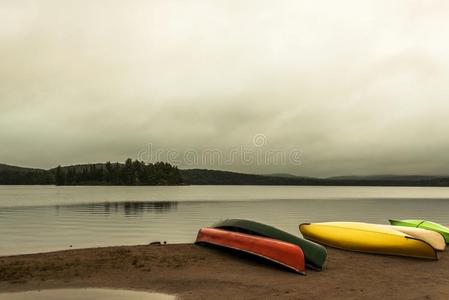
point(46, 218)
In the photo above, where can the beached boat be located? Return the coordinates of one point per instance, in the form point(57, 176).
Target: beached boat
point(364, 237)
point(435, 239)
point(283, 253)
point(315, 254)
point(425, 225)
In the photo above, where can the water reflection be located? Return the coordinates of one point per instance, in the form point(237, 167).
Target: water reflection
point(128, 208)
point(27, 229)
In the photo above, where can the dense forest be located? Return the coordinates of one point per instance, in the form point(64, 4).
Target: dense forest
point(161, 173)
point(26, 177)
point(130, 173)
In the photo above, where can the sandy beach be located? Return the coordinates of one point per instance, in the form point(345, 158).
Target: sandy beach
point(200, 272)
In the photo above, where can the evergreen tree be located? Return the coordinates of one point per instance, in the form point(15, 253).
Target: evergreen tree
point(59, 176)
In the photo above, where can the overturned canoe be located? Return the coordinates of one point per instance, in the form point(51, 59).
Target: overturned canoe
point(315, 254)
point(434, 239)
point(286, 254)
point(425, 225)
point(364, 237)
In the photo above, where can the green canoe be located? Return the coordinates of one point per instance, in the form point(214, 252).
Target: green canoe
point(425, 225)
point(315, 254)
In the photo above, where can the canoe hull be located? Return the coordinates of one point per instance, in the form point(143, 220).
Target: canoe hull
point(443, 230)
point(286, 254)
point(370, 238)
point(315, 254)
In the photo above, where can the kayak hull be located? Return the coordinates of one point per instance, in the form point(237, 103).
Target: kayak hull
point(315, 254)
point(286, 254)
point(370, 238)
point(443, 230)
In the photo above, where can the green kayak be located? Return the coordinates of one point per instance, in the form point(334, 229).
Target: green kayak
point(315, 254)
point(425, 225)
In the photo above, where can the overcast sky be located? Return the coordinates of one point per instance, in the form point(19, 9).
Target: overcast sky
point(356, 87)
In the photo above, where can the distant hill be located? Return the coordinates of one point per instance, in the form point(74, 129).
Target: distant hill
point(139, 173)
point(19, 175)
point(204, 176)
point(285, 175)
point(391, 180)
point(5, 167)
point(385, 177)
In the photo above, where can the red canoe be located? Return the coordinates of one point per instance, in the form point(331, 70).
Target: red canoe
point(286, 254)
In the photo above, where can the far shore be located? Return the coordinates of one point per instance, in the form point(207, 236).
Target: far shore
point(200, 272)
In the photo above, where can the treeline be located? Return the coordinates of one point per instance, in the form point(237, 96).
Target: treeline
point(160, 173)
point(216, 177)
point(12, 177)
point(130, 173)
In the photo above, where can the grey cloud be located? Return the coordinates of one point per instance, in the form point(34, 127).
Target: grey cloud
point(360, 87)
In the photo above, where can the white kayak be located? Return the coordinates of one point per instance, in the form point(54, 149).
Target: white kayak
point(433, 238)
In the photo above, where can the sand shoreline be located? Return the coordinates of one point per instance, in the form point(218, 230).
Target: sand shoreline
point(198, 272)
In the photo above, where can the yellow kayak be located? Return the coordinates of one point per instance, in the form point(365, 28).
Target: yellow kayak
point(365, 237)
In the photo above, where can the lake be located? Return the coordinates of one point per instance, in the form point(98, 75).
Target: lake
point(46, 218)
